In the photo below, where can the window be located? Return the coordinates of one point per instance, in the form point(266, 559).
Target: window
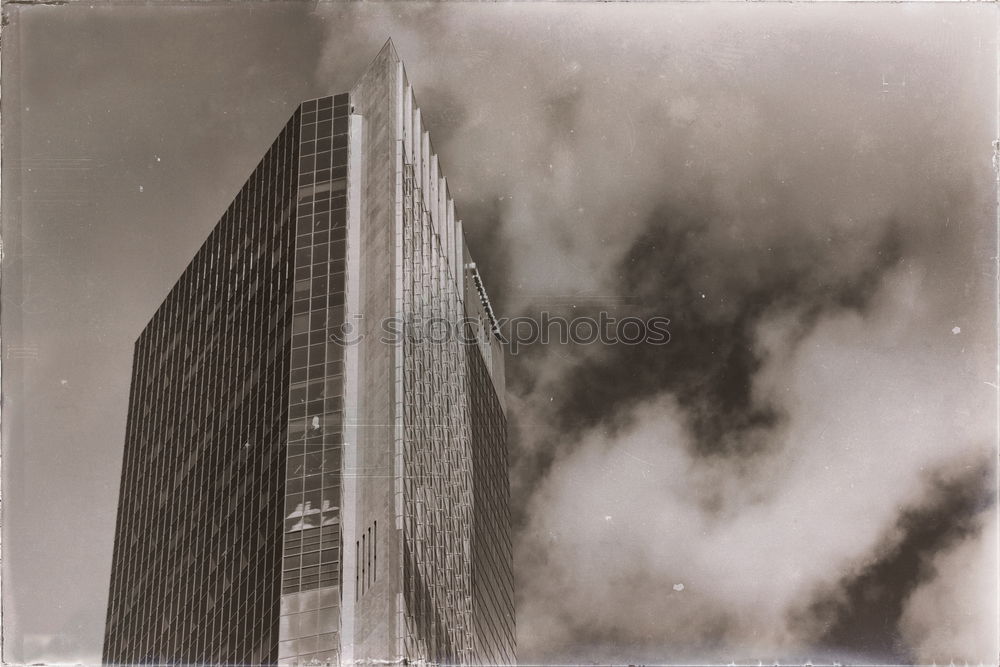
point(300, 323)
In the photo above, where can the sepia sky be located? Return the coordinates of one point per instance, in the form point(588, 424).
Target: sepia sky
point(807, 469)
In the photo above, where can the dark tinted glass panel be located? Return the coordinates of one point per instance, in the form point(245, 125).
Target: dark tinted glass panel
point(197, 548)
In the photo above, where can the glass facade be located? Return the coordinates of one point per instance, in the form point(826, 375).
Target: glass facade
point(289, 498)
point(197, 556)
point(311, 564)
point(492, 550)
point(454, 517)
point(437, 480)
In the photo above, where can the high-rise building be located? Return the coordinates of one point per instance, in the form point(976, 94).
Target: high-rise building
point(315, 466)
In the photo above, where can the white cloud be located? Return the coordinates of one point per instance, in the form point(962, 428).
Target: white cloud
point(872, 411)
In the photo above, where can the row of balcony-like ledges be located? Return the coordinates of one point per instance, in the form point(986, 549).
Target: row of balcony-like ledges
point(438, 450)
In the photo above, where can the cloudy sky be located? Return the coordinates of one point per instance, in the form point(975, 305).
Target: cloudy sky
point(807, 469)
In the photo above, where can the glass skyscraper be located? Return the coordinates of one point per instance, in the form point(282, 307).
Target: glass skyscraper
point(315, 466)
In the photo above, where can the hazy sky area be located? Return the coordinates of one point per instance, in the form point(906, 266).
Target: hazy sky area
point(806, 471)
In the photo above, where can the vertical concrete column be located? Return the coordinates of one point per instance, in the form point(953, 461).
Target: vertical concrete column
point(352, 384)
point(449, 224)
point(418, 148)
point(456, 243)
point(445, 232)
point(408, 124)
point(425, 164)
point(433, 185)
point(459, 257)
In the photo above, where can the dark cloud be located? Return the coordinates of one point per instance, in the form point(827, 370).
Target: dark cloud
point(710, 361)
point(864, 610)
point(712, 357)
